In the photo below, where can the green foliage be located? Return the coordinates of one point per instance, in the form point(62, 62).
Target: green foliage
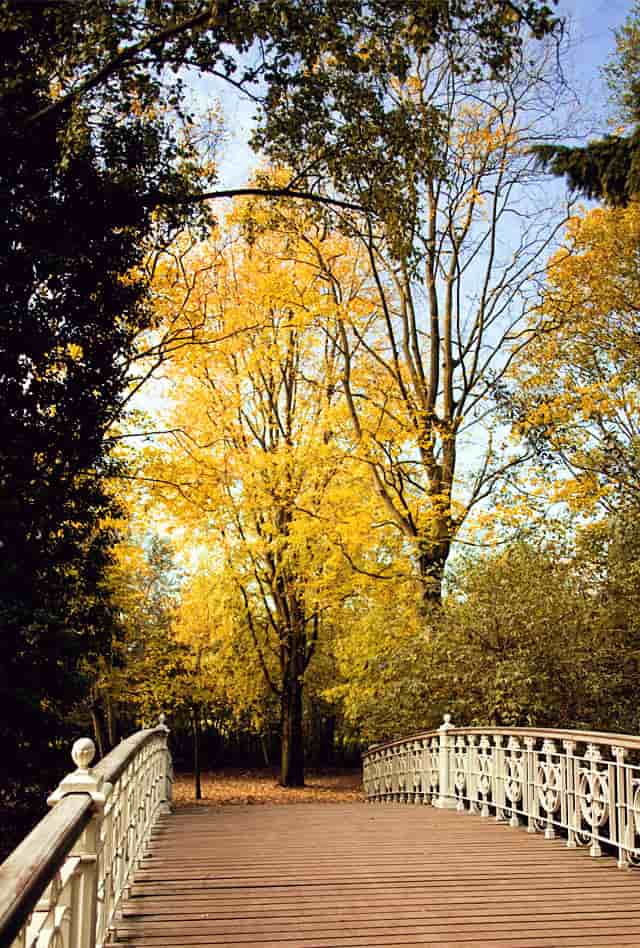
point(65, 317)
point(529, 636)
point(608, 169)
point(319, 69)
point(341, 120)
point(144, 675)
point(517, 636)
point(70, 236)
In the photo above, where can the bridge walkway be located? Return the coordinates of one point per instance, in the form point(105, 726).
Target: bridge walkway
point(352, 875)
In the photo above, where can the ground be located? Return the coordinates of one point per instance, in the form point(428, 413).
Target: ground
point(226, 786)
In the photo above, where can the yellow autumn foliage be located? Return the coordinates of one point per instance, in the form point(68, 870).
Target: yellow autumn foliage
point(260, 471)
point(576, 386)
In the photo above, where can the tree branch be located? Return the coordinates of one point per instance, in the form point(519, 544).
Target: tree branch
point(127, 56)
point(159, 200)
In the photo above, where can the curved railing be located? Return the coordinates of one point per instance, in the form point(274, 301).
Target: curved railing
point(584, 785)
point(61, 887)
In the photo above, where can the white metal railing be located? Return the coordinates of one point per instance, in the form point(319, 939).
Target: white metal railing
point(61, 887)
point(583, 785)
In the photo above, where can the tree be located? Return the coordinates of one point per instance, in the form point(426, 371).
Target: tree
point(252, 469)
point(383, 681)
point(143, 673)
point(91, 153)
point(454, 263)
point(74, 234)
point(68, 324)
point(164, 657)
point(574, 393)
point(232, 690)
point(533, 621)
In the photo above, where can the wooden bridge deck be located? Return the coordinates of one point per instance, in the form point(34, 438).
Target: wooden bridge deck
point(351, 875)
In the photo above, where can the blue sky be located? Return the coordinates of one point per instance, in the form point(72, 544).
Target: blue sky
point(591, 24)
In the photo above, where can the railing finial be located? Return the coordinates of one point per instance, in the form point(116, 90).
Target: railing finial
point(447, 725)
point(82, 780)
point(82, 753)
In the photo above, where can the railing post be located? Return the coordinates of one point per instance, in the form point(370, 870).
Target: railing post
point(485, 774)
point(499, 778)
point(623, 800)
point(425, 770)
point(167, 788)
point(589, 799)
point(446, 796)
point(87, 847)
point(573, 827)
point(530, 809)
point(472, 774)
point(550, 790)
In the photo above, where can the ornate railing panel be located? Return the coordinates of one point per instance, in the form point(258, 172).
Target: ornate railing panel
point(582, 785)
point(61, 887)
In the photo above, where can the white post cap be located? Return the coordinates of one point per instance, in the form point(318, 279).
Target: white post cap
point(83, 779)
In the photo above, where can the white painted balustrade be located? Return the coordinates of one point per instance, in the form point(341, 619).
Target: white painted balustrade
point(61, 887)
point(583, 786)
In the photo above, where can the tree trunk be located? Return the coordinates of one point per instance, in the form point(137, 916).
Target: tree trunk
point(98, 728)
point(432, 565)
point(264, 747)
point(433, 553)
point(328, 738)
point(111, 723)
point(196, 754)
point(292, 742)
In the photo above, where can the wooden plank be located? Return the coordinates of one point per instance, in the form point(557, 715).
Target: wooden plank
point(350, 875)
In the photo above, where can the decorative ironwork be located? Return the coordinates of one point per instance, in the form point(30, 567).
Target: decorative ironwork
point(513, 779)
point(460, 770)
point(549, 787)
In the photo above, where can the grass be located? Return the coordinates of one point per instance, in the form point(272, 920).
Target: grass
point(228, 787)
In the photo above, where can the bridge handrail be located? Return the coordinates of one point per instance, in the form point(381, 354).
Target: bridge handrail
point(62, 884)
point(628, 741)
point(584, 785)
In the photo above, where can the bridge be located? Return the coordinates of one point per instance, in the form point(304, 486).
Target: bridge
point(488, 837)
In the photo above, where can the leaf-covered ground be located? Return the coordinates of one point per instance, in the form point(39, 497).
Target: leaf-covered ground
point(229, 787)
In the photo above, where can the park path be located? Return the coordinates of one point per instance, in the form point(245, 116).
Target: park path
point(348, 875)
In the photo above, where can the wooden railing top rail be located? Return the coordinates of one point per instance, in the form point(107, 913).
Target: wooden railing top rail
point(116, 761)
point(30, 870)
point(612, 739)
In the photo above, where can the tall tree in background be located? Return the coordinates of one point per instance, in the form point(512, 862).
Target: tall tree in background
point(455, 259)
point(67, 319)
point(142, 674)
point(89, 150)
point(251, 469)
